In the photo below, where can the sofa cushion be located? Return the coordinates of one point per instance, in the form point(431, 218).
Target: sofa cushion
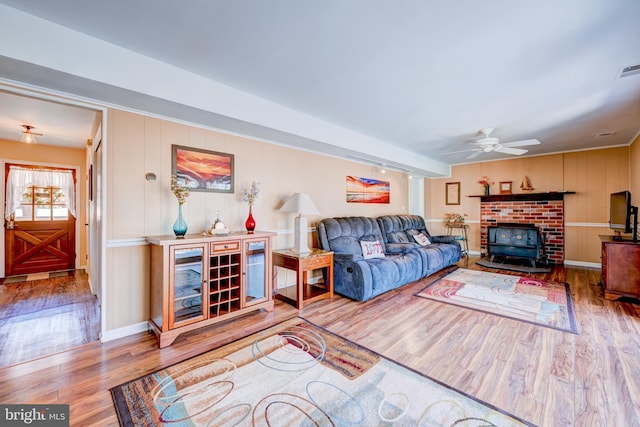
point(343, 234)
point(421, 239)
point(371, 249)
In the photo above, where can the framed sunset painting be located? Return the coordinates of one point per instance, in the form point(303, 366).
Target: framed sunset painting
point(367, 190)
point(203, 170)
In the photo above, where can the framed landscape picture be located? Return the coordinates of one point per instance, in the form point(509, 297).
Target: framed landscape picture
point(367, 190)
point(203, 170)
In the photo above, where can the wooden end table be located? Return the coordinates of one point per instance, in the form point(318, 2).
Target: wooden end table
point(303, 293)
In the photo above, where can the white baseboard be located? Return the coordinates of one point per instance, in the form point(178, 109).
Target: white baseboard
point(582, 264)
point(125, 331)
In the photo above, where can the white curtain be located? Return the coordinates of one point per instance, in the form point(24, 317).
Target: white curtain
point(20, 179)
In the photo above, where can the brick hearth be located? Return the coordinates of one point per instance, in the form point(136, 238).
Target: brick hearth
point(548, 215)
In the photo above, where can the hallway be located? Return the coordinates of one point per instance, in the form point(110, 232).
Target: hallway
point(51, 314)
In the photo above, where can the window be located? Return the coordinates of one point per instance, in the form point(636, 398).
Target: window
point(42, 204)
point(39, 194)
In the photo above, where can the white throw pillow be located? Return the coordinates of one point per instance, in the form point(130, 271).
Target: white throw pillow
point(422, 239)
point(371, 249)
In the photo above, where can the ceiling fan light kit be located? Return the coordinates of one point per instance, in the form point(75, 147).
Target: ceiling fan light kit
point(29, 137)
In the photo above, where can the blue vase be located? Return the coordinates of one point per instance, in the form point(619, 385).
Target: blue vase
point(180, 226)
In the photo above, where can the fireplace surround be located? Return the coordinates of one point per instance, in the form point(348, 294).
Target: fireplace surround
point(544, 210)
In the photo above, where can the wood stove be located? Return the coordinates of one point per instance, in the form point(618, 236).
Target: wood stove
point(516, 240)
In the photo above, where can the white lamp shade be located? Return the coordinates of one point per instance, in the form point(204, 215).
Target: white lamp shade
point(300, 203)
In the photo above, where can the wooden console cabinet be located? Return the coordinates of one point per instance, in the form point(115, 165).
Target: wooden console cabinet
point(201, 280)
point(620, 268)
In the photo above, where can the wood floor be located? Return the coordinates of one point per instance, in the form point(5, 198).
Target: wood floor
point(54, 313)
point(547, 377)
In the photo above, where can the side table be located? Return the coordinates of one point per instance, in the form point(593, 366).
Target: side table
point(461, 235)
point(303, 293)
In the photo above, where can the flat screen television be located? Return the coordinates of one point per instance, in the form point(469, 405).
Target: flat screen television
point(623, 216)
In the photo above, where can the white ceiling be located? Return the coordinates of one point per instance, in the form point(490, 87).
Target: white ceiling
point(60, 124)
point(398, 82)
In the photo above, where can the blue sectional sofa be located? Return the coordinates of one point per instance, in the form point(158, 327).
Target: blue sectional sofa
point(375, 255)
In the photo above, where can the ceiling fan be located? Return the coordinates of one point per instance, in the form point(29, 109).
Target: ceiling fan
point(487, 144)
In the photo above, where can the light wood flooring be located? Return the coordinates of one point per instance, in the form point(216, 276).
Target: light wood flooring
point(53, 313)
point(547, 377)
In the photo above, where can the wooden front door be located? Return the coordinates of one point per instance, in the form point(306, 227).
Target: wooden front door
point(40, 235)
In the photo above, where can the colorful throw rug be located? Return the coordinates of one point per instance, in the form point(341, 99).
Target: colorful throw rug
point(296, 374)
point(522, 298)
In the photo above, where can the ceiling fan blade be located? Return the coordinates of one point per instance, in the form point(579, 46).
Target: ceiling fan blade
point(474, 155)
point(508, 150)
point(521, 143)
point(461, 151)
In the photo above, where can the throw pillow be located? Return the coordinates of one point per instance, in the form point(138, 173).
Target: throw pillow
point(371, 249)
point(422, 239)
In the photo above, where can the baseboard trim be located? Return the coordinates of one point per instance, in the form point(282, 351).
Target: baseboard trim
point(582, 264)
point(125, 331)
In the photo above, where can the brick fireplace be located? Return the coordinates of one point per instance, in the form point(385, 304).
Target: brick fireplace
point(544, 210)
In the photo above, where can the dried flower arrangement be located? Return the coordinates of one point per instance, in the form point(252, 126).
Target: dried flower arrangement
point(250, 194)
point(454, 219)
point(178, 190)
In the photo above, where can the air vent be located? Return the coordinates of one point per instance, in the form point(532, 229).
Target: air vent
point(605, 134)
point(630, 70)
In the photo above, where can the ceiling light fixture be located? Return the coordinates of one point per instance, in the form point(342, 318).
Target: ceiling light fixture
point(29, 137)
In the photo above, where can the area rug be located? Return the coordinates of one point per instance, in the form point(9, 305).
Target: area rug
point(522, 298)
point(297, 374)
point(522, 266)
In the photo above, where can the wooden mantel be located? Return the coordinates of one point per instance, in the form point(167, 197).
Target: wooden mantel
point(524, 197)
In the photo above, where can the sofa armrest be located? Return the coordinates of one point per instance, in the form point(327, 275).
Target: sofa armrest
point(401, 248)
point(352, 276)
point(347, 257)
point(443, 239)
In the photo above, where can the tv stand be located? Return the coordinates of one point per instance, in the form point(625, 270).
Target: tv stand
point(620, 267)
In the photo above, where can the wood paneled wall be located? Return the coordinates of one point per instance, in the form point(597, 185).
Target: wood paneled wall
point(593, 175)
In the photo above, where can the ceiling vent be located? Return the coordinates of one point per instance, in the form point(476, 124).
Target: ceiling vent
point(605, 134)
point(630, 70)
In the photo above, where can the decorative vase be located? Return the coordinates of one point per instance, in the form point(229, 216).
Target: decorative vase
point(180, 226)
point(250, 224)
point(486, 190)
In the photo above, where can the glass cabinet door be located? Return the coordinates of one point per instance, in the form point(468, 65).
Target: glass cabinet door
point(186, 291)
point(255, 271)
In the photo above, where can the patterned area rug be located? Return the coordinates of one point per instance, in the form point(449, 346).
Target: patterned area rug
point(522, 298)
point(296, 373)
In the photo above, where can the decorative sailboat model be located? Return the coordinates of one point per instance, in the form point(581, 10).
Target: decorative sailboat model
point(526, 185)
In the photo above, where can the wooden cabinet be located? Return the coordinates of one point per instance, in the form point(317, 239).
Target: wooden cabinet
point(200, 280)
point(620, 268)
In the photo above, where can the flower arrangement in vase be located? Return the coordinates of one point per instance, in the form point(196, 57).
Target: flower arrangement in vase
point(249, 195)
point(486, 183)
point(181, 192)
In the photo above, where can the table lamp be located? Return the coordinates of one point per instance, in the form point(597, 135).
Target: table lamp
point(301, 204)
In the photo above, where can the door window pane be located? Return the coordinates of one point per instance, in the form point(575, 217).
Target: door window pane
point(42, 204)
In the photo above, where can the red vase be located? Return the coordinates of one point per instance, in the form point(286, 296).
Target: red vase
point(250, 224)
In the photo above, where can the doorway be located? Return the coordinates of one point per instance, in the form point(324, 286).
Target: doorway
point(52, 304)
point(40, 219)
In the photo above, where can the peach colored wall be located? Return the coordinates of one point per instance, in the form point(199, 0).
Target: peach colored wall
point(593, 175)
point(136, 208)
point(12, 151)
